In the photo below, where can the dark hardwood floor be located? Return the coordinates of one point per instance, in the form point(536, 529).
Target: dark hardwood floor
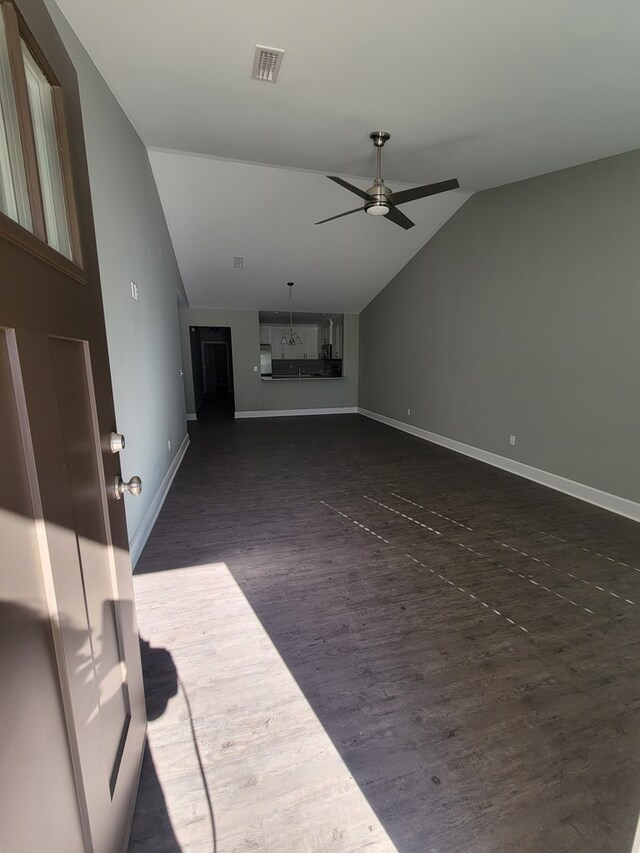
point(447, 657)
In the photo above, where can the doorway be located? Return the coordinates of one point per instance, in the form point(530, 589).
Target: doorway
point(212, 362)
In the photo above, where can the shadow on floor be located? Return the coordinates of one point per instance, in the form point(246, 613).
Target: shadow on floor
point(151, 818)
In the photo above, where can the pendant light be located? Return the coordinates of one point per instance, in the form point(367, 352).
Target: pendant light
point(293, 337)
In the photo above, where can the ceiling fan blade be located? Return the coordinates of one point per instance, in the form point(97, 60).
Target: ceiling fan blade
point(399, 218)
point(422, 192)
point(350, 187)
point(355, 210)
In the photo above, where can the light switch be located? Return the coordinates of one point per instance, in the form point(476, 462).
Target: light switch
point(255, 368)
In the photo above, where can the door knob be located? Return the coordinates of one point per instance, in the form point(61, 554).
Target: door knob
point(134, 486)
point(116, 442)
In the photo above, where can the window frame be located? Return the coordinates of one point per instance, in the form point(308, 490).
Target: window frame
point(35, 241)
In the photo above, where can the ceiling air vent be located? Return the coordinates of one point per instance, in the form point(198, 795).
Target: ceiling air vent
point(266, 63)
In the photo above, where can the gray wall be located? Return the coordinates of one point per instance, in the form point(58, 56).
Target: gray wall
point(522, 315)
point(133, 243)
point(252, 394)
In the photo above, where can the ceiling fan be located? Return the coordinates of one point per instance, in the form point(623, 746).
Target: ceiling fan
point(379, 200)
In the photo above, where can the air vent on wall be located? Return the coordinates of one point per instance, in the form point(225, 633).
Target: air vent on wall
point(266, 63)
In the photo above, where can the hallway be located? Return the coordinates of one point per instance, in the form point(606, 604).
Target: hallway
point(377, 644)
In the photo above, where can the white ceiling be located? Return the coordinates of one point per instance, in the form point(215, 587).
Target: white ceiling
point(488, 92)
point(217, 209)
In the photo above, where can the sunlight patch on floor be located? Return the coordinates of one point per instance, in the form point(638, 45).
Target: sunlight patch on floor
point(275, 780)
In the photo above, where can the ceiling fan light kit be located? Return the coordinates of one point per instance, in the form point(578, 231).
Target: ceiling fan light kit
point(377, 208)
point(379, 199)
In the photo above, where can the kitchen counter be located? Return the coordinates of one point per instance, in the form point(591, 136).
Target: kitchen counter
point(297, 378)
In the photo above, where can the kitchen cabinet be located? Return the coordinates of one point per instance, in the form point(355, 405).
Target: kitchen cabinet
point(311, 341)
point(276, 347)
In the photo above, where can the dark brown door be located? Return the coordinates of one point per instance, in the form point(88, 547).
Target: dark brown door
point(71, 697)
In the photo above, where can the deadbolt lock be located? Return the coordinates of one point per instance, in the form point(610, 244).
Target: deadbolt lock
point(116, 442)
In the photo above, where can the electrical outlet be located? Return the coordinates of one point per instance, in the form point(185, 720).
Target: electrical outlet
point(169, 445)
point(255, 368)
point(408, 411)
point(512, 440)
point(134, 291)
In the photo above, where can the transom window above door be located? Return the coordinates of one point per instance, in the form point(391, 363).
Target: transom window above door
point(36, 190)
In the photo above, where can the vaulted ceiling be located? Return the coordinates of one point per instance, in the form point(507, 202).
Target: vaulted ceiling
point(489, 92)
point(217, 210)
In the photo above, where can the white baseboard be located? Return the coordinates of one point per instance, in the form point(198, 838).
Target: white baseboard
point(140, 536)
point(287, 413)
point(191, 416)
point(605, 500)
